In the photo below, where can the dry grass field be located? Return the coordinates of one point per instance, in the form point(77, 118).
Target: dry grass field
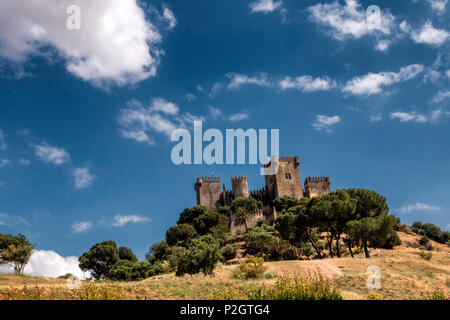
point(404, 275)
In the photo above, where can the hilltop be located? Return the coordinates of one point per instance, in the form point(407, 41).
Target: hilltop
point(404, 275)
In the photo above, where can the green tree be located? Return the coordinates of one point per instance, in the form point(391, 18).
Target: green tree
point(363, 230)
point(179, 232)
point(15, 250)
point(188, 215)
point(205, 222)
point(259, 243)
point(197, 255)
point(127, 254)
point(306, 225)
point(127, 270)
point(244, 208)
point(285, 202)
point(333, 211)
point(100, 259)
point(158, 252)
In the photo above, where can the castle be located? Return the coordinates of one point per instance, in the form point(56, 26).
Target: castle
point(285, 182)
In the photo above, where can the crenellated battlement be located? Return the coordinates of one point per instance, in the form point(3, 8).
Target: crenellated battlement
point(316, 179)
point(208, 180)
point(261, 191)
point(317, 186)
point(289, 159)
point(238, 179)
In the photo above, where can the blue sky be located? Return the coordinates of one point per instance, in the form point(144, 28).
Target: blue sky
point(86, 114)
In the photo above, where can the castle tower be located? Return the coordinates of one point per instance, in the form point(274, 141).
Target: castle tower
point(286, 182)
point(317, 186)
point(240, 187)
point(209, 192)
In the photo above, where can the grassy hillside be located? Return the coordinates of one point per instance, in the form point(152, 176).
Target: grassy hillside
point(404, 275)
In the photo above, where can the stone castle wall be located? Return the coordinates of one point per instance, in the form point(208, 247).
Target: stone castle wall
point(286, 182)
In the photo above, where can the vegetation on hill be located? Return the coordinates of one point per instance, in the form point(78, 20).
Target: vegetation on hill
point(319, 226)
point(432, 232)
point(404, 275)
point(345, 223)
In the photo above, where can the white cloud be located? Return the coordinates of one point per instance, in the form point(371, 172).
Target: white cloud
point(448, 73)
point(215, 89)
point(237, 117)
point(120, 220)
point(408, 116)
point(376, 118)
point(83, 178)
point(44, 263)
point(349, 21)
point(324, 122)
point(170, 17)
point(441, 95)
point(190, 97)
point(303, 83)
point(214, 112)
point(11, 220)
point(116, 44)
point(307, 83)
point(420, 118)
point(161, 117)
point(373, 83)
point(383, 45)
point(417, 207)
point(159, 104)
point(239, 80)
point(438, 5)
point(4, 162)
point(138, 135)
point(265, 6)
point(428, 34)
point(431, 76)
point(81, 226)
point(51, 154)
point(24, 162)
point(2, 140)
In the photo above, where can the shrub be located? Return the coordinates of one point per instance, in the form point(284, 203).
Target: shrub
point(200, 254)
point(289, 252)
point(431, 231)
point(425, 255)
point(87, 291)
point(269, 275)
point(251, 268)
point(259, 243)
point(374, 296)
point(307, 250)
point(26, 293)
point(296, 287)
point(96, 291)
point(435, 295)
point(424, 240)
point(229, 252)
point(126, 270)
point(66, 276)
